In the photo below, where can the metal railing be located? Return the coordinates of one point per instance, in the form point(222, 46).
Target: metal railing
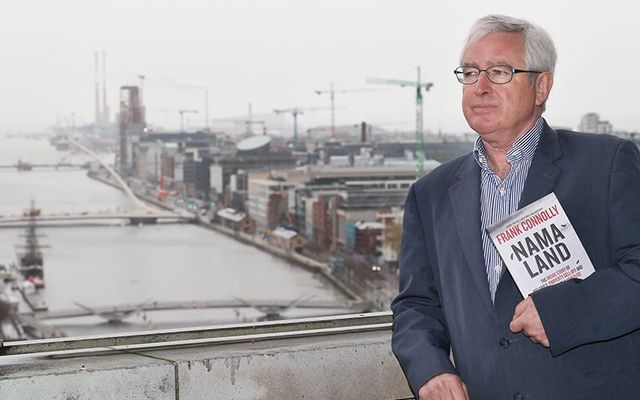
point(210, 335)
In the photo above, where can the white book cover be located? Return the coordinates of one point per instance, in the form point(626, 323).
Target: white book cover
point(539, 246)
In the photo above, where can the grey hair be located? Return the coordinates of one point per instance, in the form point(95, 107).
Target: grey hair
point(539, 52)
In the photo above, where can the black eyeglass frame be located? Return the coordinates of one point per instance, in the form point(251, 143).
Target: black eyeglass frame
point(458, 73)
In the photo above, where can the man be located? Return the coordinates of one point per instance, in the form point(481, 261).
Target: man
point(574, 340)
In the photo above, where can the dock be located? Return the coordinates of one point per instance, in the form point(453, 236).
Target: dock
point(23, 325)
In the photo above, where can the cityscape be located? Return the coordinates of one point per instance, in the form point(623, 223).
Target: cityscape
point(205, 199)
point(328, 199)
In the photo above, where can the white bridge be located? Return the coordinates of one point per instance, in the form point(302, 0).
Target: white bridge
point(133, 217)
point(142, 214)
point(271, 308)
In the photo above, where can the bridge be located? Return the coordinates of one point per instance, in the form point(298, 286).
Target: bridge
point(143, 214)
point(272, 308)
point(134, 218)
point(45, 165)
point(139, 204)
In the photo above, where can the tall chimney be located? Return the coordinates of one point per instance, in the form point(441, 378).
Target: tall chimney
point(363, 132)
point(105, 106)
point(98, 117)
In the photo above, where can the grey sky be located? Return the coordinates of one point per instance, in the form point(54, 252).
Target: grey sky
point(274, 54)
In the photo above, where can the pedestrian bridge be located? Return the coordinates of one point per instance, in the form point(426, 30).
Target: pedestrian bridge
point(269, 307)
point(134, 217)
point(341, 357)
point(57, 165)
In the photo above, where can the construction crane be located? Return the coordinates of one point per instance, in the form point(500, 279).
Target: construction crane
point(332, 94)
point(250, 121)
point(419, 132)
point(182, 113)
point(294, 112)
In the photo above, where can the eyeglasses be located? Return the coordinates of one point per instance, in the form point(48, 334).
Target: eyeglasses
point(498, 74)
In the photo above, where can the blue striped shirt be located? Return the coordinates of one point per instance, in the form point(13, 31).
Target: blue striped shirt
point(500, 198)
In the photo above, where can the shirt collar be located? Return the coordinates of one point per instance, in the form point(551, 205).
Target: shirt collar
point(523, 148)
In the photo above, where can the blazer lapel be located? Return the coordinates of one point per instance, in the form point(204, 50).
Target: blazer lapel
point(465, 199)
point(543, 173)
point(464, 194)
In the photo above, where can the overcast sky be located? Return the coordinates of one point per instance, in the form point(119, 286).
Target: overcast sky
point(275, 53)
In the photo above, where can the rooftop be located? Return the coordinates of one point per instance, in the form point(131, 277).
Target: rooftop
point(284, 233)
point(231, 214)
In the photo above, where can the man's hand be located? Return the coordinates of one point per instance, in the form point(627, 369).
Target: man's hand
point(444, 387)
point(527, 320)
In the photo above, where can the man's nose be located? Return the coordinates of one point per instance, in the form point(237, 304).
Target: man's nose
point(484, 85)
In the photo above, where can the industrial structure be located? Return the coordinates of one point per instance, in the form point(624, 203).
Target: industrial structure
point(295, 112)
point(102, 112)
point(419, 120)
point(332, 96)
point(131, 127)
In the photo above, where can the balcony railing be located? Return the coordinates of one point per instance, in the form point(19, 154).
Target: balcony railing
point(340, 357)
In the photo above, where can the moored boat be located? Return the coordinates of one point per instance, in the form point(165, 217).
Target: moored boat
point(37, 281)
point(31, 263)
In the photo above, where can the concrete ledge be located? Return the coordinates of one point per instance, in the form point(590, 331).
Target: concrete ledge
point(352, 366)
point(107, 377)
point(336, 366)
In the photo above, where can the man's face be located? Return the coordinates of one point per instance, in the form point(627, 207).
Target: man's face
point(499, 113)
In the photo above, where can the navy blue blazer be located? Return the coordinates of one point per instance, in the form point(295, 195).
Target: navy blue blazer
point(593, 325)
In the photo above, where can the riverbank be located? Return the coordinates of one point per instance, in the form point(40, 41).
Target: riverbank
point(307, 263)
point(116, 185)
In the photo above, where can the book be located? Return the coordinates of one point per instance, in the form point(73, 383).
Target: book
point(539, 246)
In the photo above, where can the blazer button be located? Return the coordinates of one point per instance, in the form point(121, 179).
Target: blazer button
point(518, 396)
point(504, 343)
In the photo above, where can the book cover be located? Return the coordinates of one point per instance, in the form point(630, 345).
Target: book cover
point(539, 246)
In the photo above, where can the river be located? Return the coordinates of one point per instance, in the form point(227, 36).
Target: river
point(110, 265)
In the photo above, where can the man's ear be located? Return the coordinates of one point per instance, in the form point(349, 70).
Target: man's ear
point(543, 87)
